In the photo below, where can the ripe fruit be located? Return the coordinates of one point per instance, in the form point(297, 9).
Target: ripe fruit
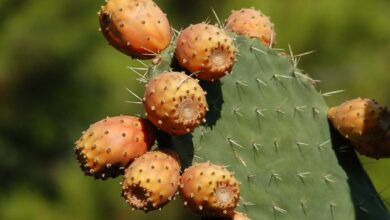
point(366, 124)
point(110, 145)
point(175, 102)
point(209, 189)
point(135, 27)
point(205, 50)
point(252, 23)
point(360, 120)
point(151, 180)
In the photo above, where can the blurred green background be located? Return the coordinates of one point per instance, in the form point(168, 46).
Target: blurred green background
point(58, 75)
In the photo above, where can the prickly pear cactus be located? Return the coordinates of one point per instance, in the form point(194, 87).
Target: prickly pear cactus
point(268, 124)
point(265, 123)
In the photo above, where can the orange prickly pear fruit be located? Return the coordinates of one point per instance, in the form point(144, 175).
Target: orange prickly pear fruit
point(252, 23)
point(108, 146)
point(135, 27)
point(366, 124)
point(206, 51)
point(360, 120)
point(175, 102)
point(209, 190)
point(152, 180)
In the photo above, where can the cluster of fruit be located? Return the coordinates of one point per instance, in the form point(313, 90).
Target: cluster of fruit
point(174, 103)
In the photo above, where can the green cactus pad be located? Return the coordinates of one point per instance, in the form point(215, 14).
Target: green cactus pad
point(268, 124)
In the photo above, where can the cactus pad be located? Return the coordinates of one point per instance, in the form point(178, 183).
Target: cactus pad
point(269, 125)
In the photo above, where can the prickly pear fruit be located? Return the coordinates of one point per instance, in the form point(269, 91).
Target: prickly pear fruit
point(234, 216)
point(151, 180)
point(110, 145)
point(209, 189)
point(206, 51)
point(175, 102)
point(360, 120)
point(135, 27)
point(252, 23)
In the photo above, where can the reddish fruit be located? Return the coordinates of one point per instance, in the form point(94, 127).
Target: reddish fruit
point(110, 145)
point(252, 23)
point(151, 180)
point(135, 27)
point(205, 50)
point(210, 190)
point(175, 102)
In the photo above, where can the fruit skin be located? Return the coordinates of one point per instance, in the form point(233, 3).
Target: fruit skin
point(152, 180)
point(366, 124)
point(209, 189)
point(360, 120)
point(252, 23)
point(235, 216)
point(205, 50)
point(108, 146)
point(135, 27)
point(175, 102)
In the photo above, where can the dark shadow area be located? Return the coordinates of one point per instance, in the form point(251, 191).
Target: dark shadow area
point(182, 145)
point(367, 203)
point(214, 99)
